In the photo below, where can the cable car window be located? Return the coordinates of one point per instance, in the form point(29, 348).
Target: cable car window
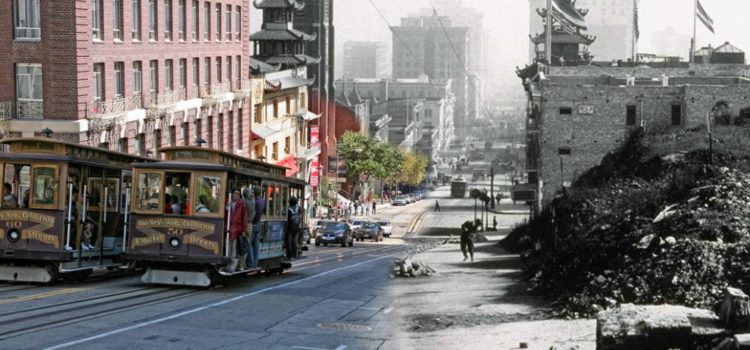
point(279, 200)
point(127, 183)
point(267, 197)
point(148, 192)
point(207, 194)
point(177, 193)
point(44, 186)
point(285, 202)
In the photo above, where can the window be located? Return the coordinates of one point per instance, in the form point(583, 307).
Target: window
point(238, 24)
point(275, 109)
point(207, 72)
point(259, 113)
point(148, 192)
point(168, 20)
point(152, 23)
point(288, 105)
point(218, 70)
point(238, 68)
point(168, 77)
point(218, 22)
point(123, 146)
point(275, 154)
point(44, 186)
point(98, 81)
point(303, 101)
point(566, 110)
point(288, 145)
point(137, 78)
point(207, 21)
point(26, 19)
point(676, 115)
point(207, 194)
point(117, 20)
point(183, 72)
point(258, 151)
point(29, 82)
point(173, 135)
point(239, 128)
point(96, 19)
point(228, 19)
point(136, 12)
point(229, 68)
point(186, 133)
point(220, 132)
point(230, 123)
point(630, 116)
point(119, 79)
point(196, 72)
point(181, 22)
point(195, 20)
point(154, 75)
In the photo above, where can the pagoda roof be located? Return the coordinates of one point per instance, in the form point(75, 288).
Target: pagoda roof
point(564, 38)
point(293, 60)
point(282, 34)
point(260, 67)
point(279, 4)
point(287, 82)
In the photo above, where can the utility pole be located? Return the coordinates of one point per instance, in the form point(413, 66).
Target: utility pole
point(492, 186)
point(548, 39)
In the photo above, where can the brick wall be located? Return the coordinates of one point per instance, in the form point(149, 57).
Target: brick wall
point(591, 136)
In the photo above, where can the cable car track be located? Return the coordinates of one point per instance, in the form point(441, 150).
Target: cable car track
point(79, 311)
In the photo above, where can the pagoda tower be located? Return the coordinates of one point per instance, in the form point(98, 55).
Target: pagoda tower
point(569, 42)
point(278, 45)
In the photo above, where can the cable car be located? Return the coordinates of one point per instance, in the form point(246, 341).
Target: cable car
point(180, 230)
point(64, 209)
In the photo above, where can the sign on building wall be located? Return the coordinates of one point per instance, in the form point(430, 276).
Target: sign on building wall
point(314, 135)
point(337, 165)
point(585, 109)
point(315, 172)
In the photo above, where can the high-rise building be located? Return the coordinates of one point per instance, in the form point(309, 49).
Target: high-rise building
point(421, 47)
point(365, 60)
point(127, 75)
point(317, 18)
point(612, 22)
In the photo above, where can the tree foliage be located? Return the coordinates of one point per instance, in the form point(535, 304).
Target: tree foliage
point(413, 168)
point(367, 158)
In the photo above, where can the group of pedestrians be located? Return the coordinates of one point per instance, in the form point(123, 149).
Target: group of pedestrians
point(244, 228)
point(353, 208)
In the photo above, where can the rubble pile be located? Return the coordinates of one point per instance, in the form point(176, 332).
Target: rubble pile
point(665, 229)
point(408, 268)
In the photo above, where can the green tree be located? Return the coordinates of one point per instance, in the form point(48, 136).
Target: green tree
point(413, 168)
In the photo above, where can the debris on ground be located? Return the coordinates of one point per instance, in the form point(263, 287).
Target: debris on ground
point(647, 226)
point(408, 268)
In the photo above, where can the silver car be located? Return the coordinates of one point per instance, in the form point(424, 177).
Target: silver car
point(386, 226)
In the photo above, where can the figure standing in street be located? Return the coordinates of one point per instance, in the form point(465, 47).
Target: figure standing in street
point(294, 227)
point(260, 207)
point(437, 205)
point(373, 208)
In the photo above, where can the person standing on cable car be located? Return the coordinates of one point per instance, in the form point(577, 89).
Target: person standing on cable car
point(293, 227)
point(247, 197)
point(237, 226)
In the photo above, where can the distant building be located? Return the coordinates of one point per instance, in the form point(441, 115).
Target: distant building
point(612, 22)
point(365, 60)
point(577, 115)
point(724, 54)
point(424, 49)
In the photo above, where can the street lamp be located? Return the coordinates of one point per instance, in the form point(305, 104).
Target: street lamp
point(199, 141)
point(47, 132)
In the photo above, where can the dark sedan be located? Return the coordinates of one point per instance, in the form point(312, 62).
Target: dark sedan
point(369, 230)
point(335, 233)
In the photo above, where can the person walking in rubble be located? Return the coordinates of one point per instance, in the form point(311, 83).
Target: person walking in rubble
point(467, 238)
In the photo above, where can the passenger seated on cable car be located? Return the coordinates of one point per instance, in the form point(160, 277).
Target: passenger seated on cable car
point(202, 204)
point(168, 204)
point(9, 200)
point(25, 198)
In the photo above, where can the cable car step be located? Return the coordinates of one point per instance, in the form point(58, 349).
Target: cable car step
point(177, 278)
point(26, 274)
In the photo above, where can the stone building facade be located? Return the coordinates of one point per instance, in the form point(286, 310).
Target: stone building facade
point(576, 115)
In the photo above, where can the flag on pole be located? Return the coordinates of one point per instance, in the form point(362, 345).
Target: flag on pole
point(636, 28)
point(565, 12)
point(702, 15)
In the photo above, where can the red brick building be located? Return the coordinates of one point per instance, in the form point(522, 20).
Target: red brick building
point(130, 75)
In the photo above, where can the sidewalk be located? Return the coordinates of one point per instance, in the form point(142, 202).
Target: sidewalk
point(478, 305)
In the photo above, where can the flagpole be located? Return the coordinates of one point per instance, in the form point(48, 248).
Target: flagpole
point(635, 8)
point(548, 39)
point(693, 43)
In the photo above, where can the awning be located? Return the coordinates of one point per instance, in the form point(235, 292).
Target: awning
point(290, 164)
point(310, 116)
point(263, 132)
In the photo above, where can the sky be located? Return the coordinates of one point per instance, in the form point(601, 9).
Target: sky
point(507, 25)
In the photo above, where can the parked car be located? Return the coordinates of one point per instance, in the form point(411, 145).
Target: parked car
point(369, 230)
point(335, 233)
point(386, 226)
point(409, 198)
point(400, 200)
point(356, 224)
